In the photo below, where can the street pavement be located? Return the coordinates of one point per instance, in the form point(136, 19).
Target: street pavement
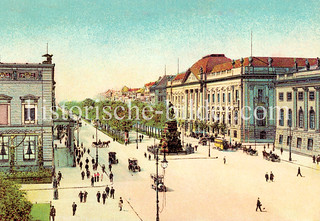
point(199, 187)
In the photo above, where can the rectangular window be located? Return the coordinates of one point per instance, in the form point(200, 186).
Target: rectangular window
point(213, 96)
point(218, 97)
point(4, 114)
point(280, 139)
point(237, 94)
point(281, 96)
point(4, 148)
point(310, 144)
point(300, 96)
point(235, 134)
point(223, 97)
point(299, 142)
point(289, 96)
point(229, 97)
point(29, 147)
point(208, 98)
point(260, 95)
point(311, 95)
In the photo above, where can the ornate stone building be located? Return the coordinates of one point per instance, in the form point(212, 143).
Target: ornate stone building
point(27, 98)
point(298, 97)
point(230, 93)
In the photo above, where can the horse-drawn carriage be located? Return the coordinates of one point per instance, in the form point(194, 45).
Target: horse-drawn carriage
point(250, 151)
point(133, 165)
point(271, 156)
point(112, 158)
point(203, 141)
point(101, 144)
point(161, 186)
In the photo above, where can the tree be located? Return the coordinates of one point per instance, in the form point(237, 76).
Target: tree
point(13, 204)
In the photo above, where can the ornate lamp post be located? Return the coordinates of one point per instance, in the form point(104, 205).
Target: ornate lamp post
point(97, 154)
point(290, 159)
point(164, 165)
point(137, 137)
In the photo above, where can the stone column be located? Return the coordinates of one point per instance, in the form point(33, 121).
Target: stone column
point(251, 99)
point(294, 115)
point(196, 101)
point(317, 120)
point(306, 98)
point(186, 104)
point(201, 102)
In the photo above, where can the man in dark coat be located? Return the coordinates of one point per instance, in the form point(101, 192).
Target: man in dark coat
point(88, 174)
point(110, 166)
point(83, 174)
point(80, 165)
point(98, 196)
point(258, 205)
point(74, 208)
point(299, 172)
point(267, 177)
point(87, 160)
point(111, 177)
point(107, 190)
point(92, 181)
point(52, 213)
point(271, 176)
point(104, 196)
point(81, 196)
point(85, 195)
point(112, 193)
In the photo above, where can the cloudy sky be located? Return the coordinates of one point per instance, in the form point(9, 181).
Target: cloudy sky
point(102, 44)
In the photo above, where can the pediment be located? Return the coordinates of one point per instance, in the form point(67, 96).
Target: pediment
point(5, 97)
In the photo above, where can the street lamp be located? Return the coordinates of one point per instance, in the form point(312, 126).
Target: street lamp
point(164, 165)
point(78, 131)
point(209, 149)
point(97, 154)
point(290, 159)
point(137, 137)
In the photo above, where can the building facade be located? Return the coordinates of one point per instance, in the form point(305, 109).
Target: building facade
point(298, 97)
point(218, 91)
point(27, 98)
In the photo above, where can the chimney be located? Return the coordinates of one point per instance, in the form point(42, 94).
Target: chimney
point(307, 65)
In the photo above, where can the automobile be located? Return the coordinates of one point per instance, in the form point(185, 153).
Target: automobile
point(161, 186)
point(112, 158)
point(203, 141)
point(133, 165)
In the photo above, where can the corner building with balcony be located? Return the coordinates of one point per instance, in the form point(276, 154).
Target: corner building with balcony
point(234, 91)
point(298, 97)
point(27, 98)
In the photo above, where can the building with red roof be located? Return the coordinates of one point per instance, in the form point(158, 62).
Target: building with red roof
point(231, 93)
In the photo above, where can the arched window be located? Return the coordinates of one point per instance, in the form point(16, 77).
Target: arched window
point(312, 119)
point(281, 117)
point(289, 118)
point(301, 118)
point(236, 117)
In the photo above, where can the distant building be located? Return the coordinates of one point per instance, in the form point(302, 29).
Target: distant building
point(159, 89)
point(27, 97)
point(298, 98)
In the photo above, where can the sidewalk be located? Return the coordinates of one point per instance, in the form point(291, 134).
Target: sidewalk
point(70, 186)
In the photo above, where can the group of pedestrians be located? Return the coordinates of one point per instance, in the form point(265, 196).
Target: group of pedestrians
point(269, 177)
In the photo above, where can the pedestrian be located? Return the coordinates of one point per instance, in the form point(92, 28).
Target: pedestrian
point(55, 183)
point(81, 196)
point(88, 151)
point(83, 174)
point(110, 166)
point(281, 150)
point(196, 148)
point(299, 172)
point(107, 190)
point(85, 195)
point(52, 213)
point(98, 196)
point(120, 204)
point(224, 160)
point(111, 177)
point(98, 175)
point(74, 208)
point(104, 196)
point(264, 147)
point(80, 165)
point(92, 181)
point(92, 161)
point(149, 157)
point(103, 168)
point(271, 176)
point(84, 149)
point(145, 155)
point(88, 174)
point(258, 205)
point(78, 160)
point(314, 158)
point(112, 193)
point(92, 136)
point(95, 177)
point(87, 160)
point(268, 145)
point(267, 177)
point(59, 175)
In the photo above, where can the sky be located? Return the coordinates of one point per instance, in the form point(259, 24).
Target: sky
point(102, 44)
